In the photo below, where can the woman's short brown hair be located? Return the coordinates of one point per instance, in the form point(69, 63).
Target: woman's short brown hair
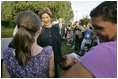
point(45, 10)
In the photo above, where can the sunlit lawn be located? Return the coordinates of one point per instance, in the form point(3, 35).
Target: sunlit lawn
point(67, 49)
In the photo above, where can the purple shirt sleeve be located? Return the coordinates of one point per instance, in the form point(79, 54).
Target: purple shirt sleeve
point(101, 60)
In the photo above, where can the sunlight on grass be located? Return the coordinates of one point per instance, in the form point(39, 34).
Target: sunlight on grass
point(67, 49)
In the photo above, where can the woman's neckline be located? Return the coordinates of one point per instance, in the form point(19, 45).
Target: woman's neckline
point(48, 27)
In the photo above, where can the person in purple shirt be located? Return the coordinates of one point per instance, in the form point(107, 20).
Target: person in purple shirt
point(28, 59)
point(101, 60)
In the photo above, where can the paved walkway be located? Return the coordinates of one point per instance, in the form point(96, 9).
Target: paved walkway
point(4, 44)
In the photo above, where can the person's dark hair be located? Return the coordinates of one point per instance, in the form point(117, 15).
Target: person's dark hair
point(28, 23)
point(62, 62)
point(45, 10)
point(106, 10)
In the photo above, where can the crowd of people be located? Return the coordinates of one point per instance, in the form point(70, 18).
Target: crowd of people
point(35, 51)
point(81, 37)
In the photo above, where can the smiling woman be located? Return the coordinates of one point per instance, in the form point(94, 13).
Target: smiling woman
point(46, 15)
point(49, 35)
point(46, 20)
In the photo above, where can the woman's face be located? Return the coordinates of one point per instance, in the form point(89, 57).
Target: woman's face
point(46, 19)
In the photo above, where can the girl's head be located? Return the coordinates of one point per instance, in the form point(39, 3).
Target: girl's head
point(28, 20)
point(28, 23)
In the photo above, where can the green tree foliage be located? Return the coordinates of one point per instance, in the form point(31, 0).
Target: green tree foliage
point(84, 21)
point(10, 10)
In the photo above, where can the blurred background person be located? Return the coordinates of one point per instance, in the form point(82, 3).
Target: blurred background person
point(78, 35)
point(61, 27)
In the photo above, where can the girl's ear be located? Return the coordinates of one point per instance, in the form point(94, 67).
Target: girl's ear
point(33, 40)
point(39, 31)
